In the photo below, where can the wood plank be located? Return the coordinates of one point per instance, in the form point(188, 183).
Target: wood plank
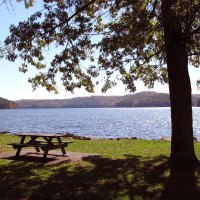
point(42, 145)
point(54, 135)
point(55, 146)
point(19, 146)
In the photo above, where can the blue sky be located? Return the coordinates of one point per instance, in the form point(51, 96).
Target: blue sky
point(14, 84)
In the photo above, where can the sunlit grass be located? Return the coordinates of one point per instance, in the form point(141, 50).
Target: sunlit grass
point(117, 149)
point(110, 148)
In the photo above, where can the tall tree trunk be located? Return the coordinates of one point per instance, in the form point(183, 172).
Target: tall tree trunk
point(182, 146)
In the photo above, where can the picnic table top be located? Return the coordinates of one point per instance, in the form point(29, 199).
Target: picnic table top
point(54, 135)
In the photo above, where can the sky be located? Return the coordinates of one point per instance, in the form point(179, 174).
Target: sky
point(14, 84)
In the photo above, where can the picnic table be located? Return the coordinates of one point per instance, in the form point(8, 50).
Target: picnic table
point(47, 143)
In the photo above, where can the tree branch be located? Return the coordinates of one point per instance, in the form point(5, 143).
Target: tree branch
point(194, 54)
point(3, 2)
point(195, 30)
point(72, 16)
point(154, 9)
point(6, 2)
point(151, 56)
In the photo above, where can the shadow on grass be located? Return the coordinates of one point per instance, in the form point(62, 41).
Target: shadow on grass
point(101, 178)
point(26, 158)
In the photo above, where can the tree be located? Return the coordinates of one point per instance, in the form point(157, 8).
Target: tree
point(128, 40)
point(1, 51)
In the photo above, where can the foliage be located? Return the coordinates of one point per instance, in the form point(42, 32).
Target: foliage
point(27, 3)
point(122, 38)
point(9, 3)
point(142, 99)
point(3, 50)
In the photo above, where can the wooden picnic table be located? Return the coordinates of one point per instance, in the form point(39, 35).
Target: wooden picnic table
point(47, 143)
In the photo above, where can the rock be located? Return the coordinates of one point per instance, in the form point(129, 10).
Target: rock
point(195, 139)
point(165, 138)
point(4, 132)
point(134, 138)
point(77, 137)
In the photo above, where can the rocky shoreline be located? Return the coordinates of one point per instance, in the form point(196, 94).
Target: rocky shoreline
point(78, 137)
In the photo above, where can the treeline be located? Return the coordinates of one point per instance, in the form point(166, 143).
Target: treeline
point(6, 104)
point(142, 99)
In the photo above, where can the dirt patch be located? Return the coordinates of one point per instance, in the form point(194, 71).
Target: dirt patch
point(54, 157)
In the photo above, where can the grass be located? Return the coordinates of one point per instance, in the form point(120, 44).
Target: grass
point(128, 169)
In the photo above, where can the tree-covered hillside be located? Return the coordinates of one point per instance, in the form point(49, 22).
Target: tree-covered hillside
point(6, 104)
point(142, 99)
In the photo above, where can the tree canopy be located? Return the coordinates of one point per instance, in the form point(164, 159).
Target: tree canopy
point(1, 51)
point(123, 38)
point(126, 40)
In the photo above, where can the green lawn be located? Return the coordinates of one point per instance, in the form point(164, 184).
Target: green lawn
point(127, 169)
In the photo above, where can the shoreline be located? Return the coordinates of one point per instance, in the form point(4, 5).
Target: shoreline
point(79, 137)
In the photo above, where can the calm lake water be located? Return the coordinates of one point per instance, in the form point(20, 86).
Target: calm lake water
point(146, 123)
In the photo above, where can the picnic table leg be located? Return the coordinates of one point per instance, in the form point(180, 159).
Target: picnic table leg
point(45, 154)
point(32, 141)
point(19, 148)
point(46, 150)
point(37, 149)
point(62, 148)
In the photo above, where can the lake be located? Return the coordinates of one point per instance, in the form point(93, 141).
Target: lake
point(144, 123)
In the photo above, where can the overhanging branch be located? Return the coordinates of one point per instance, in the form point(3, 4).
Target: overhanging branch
point(71, 17)
point(194, 54)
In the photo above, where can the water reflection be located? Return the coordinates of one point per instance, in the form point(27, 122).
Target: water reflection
point(146, 123)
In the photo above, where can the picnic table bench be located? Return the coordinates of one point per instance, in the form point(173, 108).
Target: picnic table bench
point(45, 144)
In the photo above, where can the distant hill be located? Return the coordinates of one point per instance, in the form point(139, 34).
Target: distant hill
point(142, 99)
point(6, 104)
point(196, 100)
